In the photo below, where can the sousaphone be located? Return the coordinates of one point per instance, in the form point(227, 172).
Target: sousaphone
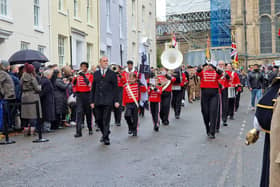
point(171, 59)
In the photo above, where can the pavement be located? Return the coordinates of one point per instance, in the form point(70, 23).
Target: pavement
point(178, 155)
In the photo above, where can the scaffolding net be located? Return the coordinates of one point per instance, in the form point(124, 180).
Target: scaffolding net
point(220, 23)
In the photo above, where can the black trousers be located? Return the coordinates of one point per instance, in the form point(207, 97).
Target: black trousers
point(237, 100)
point(177, 96)
point(219, 111)
point(231, 106)
point(118, 111)
point(209, 108)
point(224, 104)
point(83, 108)
point(266, 162)
point(165, 106)
point(103, 118)
point(154, 106)
point(131, 116)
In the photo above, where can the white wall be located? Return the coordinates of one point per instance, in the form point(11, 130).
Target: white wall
point(20, 22)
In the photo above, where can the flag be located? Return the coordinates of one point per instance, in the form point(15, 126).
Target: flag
point(233, 50)
point(208, 52)
point(174, 41)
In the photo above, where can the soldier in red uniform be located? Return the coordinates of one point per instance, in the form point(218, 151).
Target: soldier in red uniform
point(224, 82)
point(233, 83)
point(155, 92)
point(209, 96)
point(177, 92)
point(131, 94)
point(82, 84)
point(166, 81)
point(118, 111)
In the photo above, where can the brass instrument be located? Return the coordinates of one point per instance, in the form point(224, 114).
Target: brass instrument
point(171, 59)
point(252, 137)
point(115, 68)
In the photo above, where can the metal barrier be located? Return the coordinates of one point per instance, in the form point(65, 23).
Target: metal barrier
point(39, 121)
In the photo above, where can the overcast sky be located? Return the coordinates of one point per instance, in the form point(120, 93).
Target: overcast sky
point(161, 10)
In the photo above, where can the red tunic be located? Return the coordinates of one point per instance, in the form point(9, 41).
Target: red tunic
point(162, 79)
point(155, 96)
point(234, 79)
point(209, 79)
point(127, 97)
point(81, 86)
point(125, 75)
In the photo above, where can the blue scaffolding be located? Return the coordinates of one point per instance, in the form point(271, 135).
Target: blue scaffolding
point(220, 23)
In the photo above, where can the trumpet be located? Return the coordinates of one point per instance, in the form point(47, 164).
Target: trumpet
point(115, 68)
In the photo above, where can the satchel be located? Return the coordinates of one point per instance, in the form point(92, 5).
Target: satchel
point(72, 99)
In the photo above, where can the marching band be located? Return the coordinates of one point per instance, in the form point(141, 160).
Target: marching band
point(118, 89)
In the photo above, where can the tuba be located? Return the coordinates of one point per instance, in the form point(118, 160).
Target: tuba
point(171, 59)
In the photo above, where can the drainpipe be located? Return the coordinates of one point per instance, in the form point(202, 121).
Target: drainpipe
point(245, 33)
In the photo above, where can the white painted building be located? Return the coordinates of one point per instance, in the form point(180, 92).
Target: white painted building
point(24, 24)
point(141, 20)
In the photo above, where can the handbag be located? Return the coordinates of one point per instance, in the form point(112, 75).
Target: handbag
point(71, 99)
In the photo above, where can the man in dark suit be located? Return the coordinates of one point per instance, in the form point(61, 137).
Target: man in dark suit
point(103, 97)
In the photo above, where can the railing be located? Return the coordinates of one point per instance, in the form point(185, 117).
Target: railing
point(39, 122)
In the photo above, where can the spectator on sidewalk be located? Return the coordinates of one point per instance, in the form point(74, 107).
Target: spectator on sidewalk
point(255, 84)
point(47, 100)
point(30, 93)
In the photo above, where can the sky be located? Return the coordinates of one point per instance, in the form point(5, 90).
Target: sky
point(161, 8)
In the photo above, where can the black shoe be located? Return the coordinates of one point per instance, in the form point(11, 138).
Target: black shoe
point(90, 132)
point(177, 117)
point(156, 128)
point(118, 124)
point(78, 135)
point(101, 140)
point(212, 136)
point(130, 132)
point(225, 124)
point(97, 129)
point(134, 133)
point(231, 118)
point(208, 134)
point(106, 142)
point(217, 130)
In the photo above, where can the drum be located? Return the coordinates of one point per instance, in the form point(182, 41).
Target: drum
point(231, 92)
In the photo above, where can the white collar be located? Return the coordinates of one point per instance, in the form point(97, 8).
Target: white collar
point(133, 69)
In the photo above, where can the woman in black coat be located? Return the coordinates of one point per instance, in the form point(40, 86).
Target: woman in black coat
point(60, 97)
point(47, 100)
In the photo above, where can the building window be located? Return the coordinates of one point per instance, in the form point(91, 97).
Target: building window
point(41, 49)
point(121, 21)
point(61, 5)
point(133, 8)
point(36, 12)
point(24, 45)
point(109, 53)
point(277, 38)
point(265, 35)
point(108, 15)
point(89, 52)
point(264, 7)
point(76, 8)
point(89, 11)
point(143, 17)
point(4, 8)
point(277, 6)
point(61, 50)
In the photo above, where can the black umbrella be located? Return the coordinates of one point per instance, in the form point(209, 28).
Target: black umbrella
point(27, 55)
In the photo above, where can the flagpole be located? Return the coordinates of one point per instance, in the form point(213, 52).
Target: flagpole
point(245, 33)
